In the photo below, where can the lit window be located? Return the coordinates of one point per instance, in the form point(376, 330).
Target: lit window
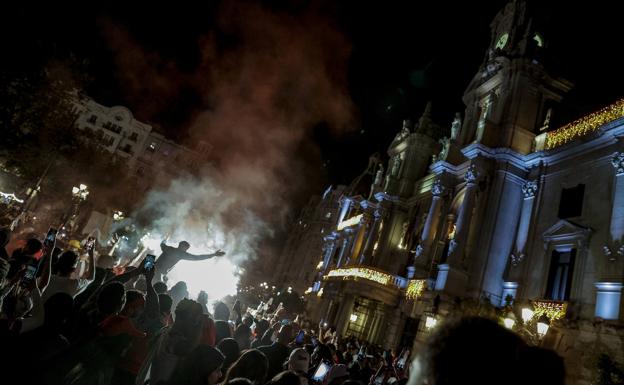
point(560, 275)
point(328, 215)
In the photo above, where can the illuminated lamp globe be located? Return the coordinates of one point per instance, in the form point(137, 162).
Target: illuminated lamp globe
point(509, 321)
point(527, 314)
point(543, 323)
point(430, 322)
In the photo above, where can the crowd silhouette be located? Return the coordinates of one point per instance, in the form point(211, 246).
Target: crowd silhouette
point(71, 316)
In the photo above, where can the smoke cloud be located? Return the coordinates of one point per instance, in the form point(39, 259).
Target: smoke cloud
point(265, 80)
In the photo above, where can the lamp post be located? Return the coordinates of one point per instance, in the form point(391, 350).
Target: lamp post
point(79, 194)
point(532, 325)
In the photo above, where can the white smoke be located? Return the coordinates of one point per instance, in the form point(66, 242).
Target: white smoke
point(195, 210)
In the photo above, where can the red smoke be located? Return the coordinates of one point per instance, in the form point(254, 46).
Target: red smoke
point(262, 94)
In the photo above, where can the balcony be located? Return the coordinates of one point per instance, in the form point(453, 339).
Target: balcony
point(367, 273)
point(554, 310)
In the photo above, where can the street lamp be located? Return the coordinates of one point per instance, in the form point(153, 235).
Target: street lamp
point(527, 314)
point(79, 194)
point(510, 320)
point(430, 322)
point(543, 324)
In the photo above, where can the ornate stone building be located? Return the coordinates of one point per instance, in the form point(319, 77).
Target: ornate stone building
point(147, 153)
point(504, 209)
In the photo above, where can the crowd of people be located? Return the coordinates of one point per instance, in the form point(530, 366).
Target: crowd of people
point(72, 317)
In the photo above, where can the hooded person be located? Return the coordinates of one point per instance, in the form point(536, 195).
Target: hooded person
point(299, 362)
point(202, 366)
point(173, 344)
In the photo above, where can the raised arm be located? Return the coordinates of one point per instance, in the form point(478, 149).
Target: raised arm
point(89, 275)
point(44, 280)
point(201, 257)
point(152, 306)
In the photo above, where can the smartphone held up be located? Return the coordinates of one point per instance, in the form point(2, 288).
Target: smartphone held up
point(148, 263)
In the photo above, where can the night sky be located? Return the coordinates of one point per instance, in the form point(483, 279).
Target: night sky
point(403, 54)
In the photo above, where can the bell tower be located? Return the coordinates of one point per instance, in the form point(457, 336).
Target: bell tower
point(509, 99)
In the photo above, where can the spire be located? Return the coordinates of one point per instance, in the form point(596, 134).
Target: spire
point(425, 123)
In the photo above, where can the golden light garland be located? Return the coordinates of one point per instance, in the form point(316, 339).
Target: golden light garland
point(361, 272)
point(415, 288)
point(552, 309)
point(584, 125)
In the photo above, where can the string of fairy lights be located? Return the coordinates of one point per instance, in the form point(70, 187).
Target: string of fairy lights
point(584, 125)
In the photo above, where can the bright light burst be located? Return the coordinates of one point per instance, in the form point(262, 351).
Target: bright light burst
point(216, 276)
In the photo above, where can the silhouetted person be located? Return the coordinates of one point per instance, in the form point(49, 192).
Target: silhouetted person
point(252, 365)
point(278, 352)
point(229, 348)
point(285, 378)
point(202, 366)
point(172, 255)
point(472, 350)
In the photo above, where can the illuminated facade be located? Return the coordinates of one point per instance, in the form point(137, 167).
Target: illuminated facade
point(298, 264)
point(502, 207)
point(148, 153)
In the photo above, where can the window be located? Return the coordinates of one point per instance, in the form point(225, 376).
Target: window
point(112, 127)
point(127, 149)
point(560, 275)
point(571, 202)
point(92, 119)
point(108, 140)
point(133, 137)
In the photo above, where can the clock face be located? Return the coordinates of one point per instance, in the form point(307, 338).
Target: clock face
point(502, 41)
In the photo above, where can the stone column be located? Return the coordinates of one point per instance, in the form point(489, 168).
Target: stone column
point(346, 204)
point(529, 189)
point(462, 226)
point(330, 247)
point(452, 277)
point(609, 292)
point(359, 239)
point(509, 288)
point(426, 237)
point(373, 228)
point(608, 296)
point(345, 243)
point(616, 227)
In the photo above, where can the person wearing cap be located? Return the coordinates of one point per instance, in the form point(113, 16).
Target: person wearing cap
point(172, 255)
point(337, 375)
point(299, 362)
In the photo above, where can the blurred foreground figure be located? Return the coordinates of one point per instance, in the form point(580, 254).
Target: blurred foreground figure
point(172, 255)
point(479, 351)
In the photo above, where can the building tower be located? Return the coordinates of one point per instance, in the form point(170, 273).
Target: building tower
point(510, 98)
